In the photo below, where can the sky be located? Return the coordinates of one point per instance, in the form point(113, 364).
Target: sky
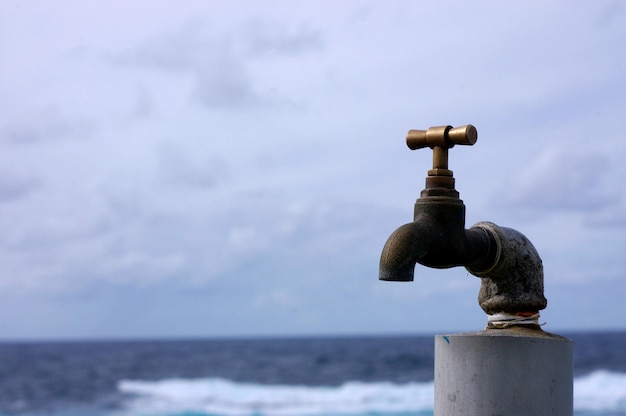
point(217, 169)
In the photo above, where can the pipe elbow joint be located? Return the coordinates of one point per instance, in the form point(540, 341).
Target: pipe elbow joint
point(514, 282)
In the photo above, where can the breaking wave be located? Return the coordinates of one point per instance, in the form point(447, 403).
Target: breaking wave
point(598, 393)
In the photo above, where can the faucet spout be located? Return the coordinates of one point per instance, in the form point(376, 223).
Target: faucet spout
point(436, 238)
point(401, 252)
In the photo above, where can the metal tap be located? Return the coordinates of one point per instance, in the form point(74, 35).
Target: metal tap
point(510, 268)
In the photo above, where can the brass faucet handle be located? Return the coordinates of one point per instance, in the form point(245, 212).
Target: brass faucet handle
point(440, 139)
point(442, 136)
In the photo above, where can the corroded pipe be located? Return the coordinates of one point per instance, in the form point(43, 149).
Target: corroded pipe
point(505, 260)
point(514, 283)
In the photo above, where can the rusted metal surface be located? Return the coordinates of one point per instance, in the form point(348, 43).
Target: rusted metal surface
point(510, 268)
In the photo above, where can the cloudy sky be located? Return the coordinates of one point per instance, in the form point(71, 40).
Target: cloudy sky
point(203, 168)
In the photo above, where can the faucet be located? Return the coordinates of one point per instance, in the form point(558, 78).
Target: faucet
point(508, 264)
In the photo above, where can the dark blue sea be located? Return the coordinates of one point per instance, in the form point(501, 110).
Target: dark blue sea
point(255, 377)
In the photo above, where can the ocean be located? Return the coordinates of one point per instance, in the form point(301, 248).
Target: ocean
point(331, 376)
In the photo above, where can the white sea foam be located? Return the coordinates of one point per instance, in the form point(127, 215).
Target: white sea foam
point(600, 392)
point(223, 397)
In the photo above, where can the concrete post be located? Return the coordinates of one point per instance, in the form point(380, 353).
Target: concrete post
point(503, 372)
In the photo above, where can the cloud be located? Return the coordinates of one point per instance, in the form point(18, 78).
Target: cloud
point(177, 169)
point(220, 65)
point(219, 239)
point(144, 104)
point(562, 179)
point(45, 125)
point(612, 217)
point(196, 185)
point(263, 39)
point(281, 298)
point(14, 187)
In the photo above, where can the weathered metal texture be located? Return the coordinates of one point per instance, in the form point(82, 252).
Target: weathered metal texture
point(515, 282)
point(512, 370)
point(436, 238)
point(507, 262)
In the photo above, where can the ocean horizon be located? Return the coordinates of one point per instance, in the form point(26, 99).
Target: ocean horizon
point(361, 375)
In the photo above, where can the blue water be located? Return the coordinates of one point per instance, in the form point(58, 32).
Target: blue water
point(368, 376)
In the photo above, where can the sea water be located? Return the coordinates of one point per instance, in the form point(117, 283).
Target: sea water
point(359, 376)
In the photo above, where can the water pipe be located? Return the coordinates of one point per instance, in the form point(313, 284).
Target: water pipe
point(512, 367)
